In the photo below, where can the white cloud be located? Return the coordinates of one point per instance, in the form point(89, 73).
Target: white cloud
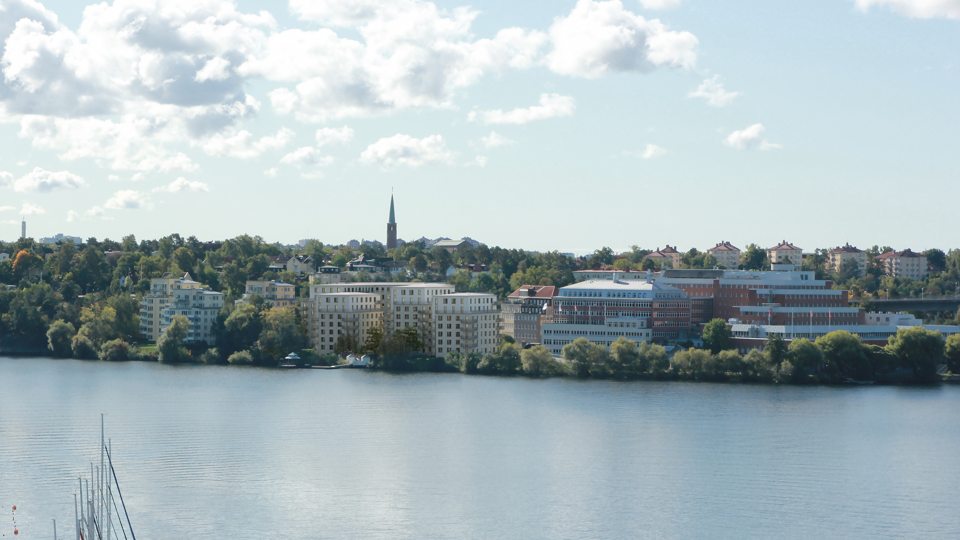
point(216, 69)
point(598, 38)
point(922, 9)
point(551, 106)
point(6, 179)
point(113, 178)
point(332, 135)
point(72, 216)
point(271, 172)
point(494, 139)
point(31, 209)
point(46, 181)
point(659, 4)
point(481, 161)
point(406, 150)
point(651, 151)
point(749, 139)
point(243, 146)
point(5, 208)
point(712, 90)
point(182, 184)
point(306, 155)
point(412, 54)
point(126, 199)
point(96, 211)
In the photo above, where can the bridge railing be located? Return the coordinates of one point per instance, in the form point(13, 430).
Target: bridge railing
point(925, 298)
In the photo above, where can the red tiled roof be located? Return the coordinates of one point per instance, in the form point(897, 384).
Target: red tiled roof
point(542, 291)
point(905, 253)
point(786, 246)
point(724, 246)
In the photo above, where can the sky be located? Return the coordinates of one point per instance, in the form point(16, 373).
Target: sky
point(563, 125)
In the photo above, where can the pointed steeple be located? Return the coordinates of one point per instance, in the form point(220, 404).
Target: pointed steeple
point(393, 218)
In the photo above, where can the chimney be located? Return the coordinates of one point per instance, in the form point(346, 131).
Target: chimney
point(648, 275)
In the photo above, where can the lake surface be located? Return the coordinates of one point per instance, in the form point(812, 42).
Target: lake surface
point(238, 453)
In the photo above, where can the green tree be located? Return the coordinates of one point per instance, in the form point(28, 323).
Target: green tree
point(578, 353)
point(374, 340)
point(843, 354)
point(754, 258)
point(756, 367)
point(83, 348)
point(282, 333)
point(240, 358)
point(805, 357)
point(716, 335)
point(918, 349)
point(776, 351)
point(129, 243)
point(537, 361)
point(59, 337)
point(170, 345)
point(849, 270)
point(115, 351)
point(936, 258)
point(166, 248)
point(626, 359)
point(951, 353)
point(184, 259)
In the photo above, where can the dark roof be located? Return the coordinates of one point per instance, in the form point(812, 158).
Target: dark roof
point(905, 253)
point(541, 291)
point(845, 249)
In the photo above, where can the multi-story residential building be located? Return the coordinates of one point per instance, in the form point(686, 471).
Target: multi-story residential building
point(905, 264)
point(785, 253)
point(170, 296)
point(726, 255)
point(343, 313)
point(667, 254)
point(466, 323)
point(276, 293)
point(300, 265)
point(602, 311)
point(838, 255)
point(404, 305)
point(524, 310)
point(326, 275)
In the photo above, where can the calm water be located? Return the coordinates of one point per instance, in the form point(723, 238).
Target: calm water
point(220, 452)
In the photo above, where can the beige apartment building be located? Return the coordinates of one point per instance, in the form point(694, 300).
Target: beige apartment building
point(334, 315)
point(666, 254)
point(904, 263)
point(466, 323)
point(403, 305)
point(726, 254)
point(276, 293)
point(171, 296)
point(785, 253)
point(838, 255)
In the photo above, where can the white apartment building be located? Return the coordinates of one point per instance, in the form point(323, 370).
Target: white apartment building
point(170, 296)
point(726, 254)
point(343, 313)
point(403, 305)
point(466, 323)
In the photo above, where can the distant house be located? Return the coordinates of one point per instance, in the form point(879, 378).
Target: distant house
point(785, 253)
point(453, 246)
point(906, 263)
point(666, 254)
point(4, 256)
point(300, 265)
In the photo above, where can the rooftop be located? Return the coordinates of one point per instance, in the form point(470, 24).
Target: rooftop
point(784, 246)
point(619, 286)
point(724, 246)
point(845, 249)
point(540, 291)
point(905, 253)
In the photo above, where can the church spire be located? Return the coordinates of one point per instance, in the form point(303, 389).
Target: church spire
point(393, 218)
point(392, 227)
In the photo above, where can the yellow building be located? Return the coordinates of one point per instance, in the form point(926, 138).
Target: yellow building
point(276, 293)
point(726, 254)
point(785, 253)
point(839, 254)
point(668, 253)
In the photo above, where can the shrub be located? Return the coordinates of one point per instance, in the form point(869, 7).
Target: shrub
point(83, 348)
point(115, 351)
point(241, 358)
